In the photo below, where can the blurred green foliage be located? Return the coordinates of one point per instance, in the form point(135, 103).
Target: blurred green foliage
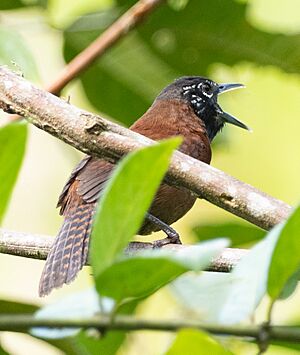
point(181, 38)
point(171, 43)
point(238, 233)
point(197, 343)
point(286, 249)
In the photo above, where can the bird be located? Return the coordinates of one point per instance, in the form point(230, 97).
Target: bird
point(189, 108)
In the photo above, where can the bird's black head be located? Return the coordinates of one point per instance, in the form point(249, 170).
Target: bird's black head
point(202, 95)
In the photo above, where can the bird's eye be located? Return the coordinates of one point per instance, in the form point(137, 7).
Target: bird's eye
point(206, 89)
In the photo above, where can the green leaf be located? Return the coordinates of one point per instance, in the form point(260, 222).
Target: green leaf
point(15, 54)
point(16, 307)
point(15, 4)
point(238, 233)
point(196, 342)
point(12, 148)
point(137, 277)
point(171, 44)
point(108, 344)
point(2, 351)
point(125, 201)
point(285, 260)
point(141, 275)
point(10, 4)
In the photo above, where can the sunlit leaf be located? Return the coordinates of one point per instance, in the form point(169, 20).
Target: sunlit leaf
point(125, 201)
point(12, 148)
point(82, 304)
point(285, 260)
point(230, 298)
point(204, 294)
point(196, 342)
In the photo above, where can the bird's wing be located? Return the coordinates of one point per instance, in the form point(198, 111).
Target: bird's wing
point(91, 174)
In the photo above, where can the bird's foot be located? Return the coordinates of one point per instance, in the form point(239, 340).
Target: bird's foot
point(172, 238)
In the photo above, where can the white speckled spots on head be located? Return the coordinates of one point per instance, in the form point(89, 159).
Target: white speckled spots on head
point(207, 95)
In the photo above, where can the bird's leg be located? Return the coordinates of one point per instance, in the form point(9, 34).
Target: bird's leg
point(172, 235)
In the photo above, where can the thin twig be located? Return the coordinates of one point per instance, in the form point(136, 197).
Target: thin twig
point(108, 38)
point(101, 138)
point(24, 322)
point(38, 246)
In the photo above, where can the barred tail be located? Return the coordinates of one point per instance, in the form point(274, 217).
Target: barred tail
point(70, 250)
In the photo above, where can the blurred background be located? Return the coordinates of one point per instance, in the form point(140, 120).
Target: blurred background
point(254, 42)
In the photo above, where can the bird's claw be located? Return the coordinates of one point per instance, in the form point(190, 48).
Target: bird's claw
point(171, 239)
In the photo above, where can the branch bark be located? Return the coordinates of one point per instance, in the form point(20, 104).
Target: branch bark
point(99, 137)
point(121, 322)
point(38, 246)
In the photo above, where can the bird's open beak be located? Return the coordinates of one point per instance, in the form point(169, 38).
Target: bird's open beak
point(226, 116)
point(229, 87)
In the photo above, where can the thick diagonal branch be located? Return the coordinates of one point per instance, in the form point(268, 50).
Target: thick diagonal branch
point(99, 137)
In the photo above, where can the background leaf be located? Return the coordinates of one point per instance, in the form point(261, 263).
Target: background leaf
point(237, 233)
point(125, 201)
point(15, 54)
point(12, 148)
point(229, 298)
point(171, 44)
point(82, 304)
point(16, 307)
point(10, 4)
point(286, 256)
